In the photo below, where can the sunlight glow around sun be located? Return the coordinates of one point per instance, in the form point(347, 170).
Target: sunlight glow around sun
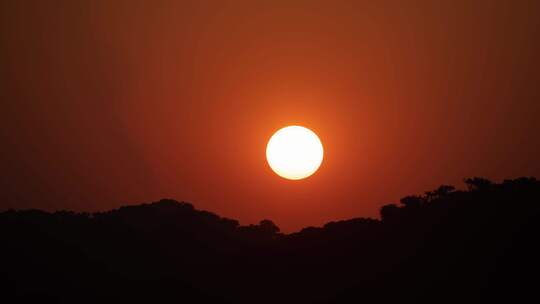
point(294, 152)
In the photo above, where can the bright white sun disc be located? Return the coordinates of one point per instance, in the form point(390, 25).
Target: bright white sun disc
point(294, 152)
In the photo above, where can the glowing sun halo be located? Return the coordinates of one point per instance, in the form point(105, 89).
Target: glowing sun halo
point(294, 152)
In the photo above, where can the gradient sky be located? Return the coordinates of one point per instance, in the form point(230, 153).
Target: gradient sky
point(107, 103)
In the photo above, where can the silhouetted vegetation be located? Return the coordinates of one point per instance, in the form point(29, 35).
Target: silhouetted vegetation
point(446, 245)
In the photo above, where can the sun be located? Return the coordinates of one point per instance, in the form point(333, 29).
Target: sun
point(294, 152)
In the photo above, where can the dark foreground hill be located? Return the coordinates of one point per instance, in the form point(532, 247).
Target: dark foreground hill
point(446, 245)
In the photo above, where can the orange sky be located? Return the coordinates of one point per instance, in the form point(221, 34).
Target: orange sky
point(107, 103)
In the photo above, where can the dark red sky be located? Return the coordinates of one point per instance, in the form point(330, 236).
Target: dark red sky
point(106, 103)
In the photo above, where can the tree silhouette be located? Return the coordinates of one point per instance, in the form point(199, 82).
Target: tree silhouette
point(443, 191)
point(388, 212)
point(478, 183)
point(449, 245)
point(412, 201)
point(268, 227)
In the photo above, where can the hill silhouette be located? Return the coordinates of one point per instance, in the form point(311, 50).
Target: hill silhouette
point(445, 245)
